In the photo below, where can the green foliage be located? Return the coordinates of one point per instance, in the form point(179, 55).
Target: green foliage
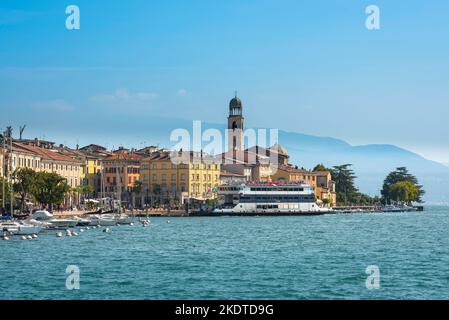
point(7, 195)
point(50, 189)
point(320, 167)
point(24, 183)
point(86, 190)
point(404, 191)
point(344, 178)
point(137, 187)
point(401, 174)
point(347, 193)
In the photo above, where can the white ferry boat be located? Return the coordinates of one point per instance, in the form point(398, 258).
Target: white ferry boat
point(268, 199)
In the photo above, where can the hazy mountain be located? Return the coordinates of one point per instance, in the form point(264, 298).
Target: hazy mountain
point(370, 162)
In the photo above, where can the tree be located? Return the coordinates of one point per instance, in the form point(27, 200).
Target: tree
point(344, 178)
point(7, 196)
point(87, 190)
point(156, 192)
point(24, 183)
point(137, 187)
point(320, 167)
point(8, 132)
point(401, 174)
point(404, 191)
point(50, 189)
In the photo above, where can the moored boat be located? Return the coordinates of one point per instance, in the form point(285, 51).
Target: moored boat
point(82, 222)
point(102, 220)
point(273, 198)
point(55, 223)
point(18, 228)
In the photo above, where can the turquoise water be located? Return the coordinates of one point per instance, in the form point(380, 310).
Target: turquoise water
point(320, 257)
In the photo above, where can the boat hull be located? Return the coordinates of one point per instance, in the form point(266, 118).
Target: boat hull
point(20, 230)
point(256, 213)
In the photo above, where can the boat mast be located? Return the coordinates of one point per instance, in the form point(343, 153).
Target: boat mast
point(3, 171)
point(10, 177)
point(119, 186)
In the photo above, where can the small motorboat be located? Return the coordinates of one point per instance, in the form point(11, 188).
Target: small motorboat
point(102, 220)
point(55, 223)
point(82, 222)
point(18, 228)
point(123, 219)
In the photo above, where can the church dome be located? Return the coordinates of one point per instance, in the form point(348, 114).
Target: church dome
point(235, 103)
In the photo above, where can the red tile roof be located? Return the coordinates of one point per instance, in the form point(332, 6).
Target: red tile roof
point(127, 156)
point(44, 153)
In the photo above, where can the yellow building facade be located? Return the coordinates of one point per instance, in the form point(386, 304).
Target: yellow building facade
point(91, 173)
point(195, 179)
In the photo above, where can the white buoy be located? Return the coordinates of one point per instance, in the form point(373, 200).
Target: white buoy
point(24, 238)
point(81, 230)
point(29, 237)
point(59, 234)
point(106, 230)
point(34, 236)
point(5, 238)
point(74, 234)
point(88, 228)
point(131, 224)
point(168, 221)
point(68, 233)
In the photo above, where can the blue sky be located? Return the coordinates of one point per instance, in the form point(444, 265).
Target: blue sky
point(304, 66)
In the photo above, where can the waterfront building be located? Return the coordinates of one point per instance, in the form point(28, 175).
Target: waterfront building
point(321, 181)
point(121, 173)
point(229, 178)
point(90, 170)
point(40, 159)
point(36, 143)
point(197, 177)
point(48, 160)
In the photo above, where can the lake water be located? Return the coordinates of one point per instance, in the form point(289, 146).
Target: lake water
point(319, 257)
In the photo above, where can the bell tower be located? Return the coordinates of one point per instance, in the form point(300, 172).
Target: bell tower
point(235, 125)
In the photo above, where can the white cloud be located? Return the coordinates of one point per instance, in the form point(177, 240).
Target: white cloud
point(183, 93)
point(55, 105)
point(124, 95)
